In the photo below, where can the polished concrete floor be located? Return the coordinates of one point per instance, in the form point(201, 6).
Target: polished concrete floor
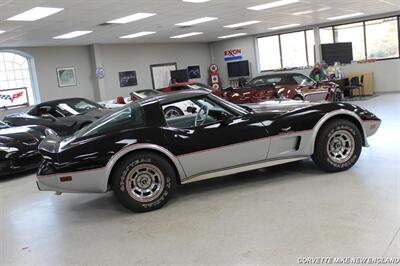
point(272, 216)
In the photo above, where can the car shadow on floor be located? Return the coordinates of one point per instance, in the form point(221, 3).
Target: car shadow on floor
point(10, 177)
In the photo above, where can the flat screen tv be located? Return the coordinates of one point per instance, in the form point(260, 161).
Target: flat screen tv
point(337, 52)
point(238, 69)
point(180, 75)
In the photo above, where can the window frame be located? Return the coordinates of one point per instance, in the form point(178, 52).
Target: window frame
point(280, 47)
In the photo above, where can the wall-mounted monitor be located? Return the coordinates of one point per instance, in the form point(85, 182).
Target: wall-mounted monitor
point(180, 75)
point(239, 69)
point(337, 52)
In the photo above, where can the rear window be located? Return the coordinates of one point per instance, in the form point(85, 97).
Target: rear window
point(129, 116)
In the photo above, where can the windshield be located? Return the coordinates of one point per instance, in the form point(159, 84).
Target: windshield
point(3, 125)
point(77, 106)
point(126, 117)
point(302, 80)
point(197, 86)
point(147, 93)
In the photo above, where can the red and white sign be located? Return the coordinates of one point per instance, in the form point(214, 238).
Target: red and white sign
point(13, 98)
point(233, 54)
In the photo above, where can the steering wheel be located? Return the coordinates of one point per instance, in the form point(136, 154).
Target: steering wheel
point(201, 119)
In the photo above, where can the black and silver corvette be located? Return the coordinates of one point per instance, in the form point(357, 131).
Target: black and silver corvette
point(64, 116)
point(142, 156)
point(18, 148)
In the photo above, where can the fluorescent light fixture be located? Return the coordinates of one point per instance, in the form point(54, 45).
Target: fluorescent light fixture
point(131, 18)
point(273, 4)
point(36, 13)
point(138, 34)
point(186, 35)
point(346, 16)
point(247, 23)
point(195, 1)
point(2, 31)
point(284, 26)
point(196, 21)
point(303, 12)
point(232, 36)
point(73, 34)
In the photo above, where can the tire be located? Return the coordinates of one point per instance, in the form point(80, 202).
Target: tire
point(172, 111)
point(144, 182)
point(298, 98)
point(338, 146)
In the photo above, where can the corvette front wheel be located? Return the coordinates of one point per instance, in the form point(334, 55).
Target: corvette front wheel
point(338, 146)
point(144, 182)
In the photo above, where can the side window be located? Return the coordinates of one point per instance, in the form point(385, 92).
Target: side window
point(258, 82)
point(272, 81)
point(196, 113)
point(129, 116)
point(303, 80)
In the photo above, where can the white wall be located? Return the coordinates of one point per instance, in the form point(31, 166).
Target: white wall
point(386, 72)
point(139, 57)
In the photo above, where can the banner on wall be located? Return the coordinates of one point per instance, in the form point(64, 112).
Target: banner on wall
point(233, 54)
point(14, 98)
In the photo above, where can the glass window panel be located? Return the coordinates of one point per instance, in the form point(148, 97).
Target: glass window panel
point(9, 57)
point(311, 47)
point(20, 83)
point(293, 47)
point(10, 75)
point(9, 65)
point(326, 35)
point(18, 75)
point(382, 38)
point(269, 54)
point(3, 76)
point(4, 85)
point(25, 65)
point(26, 74)
point(353, 33)
point(12, 84)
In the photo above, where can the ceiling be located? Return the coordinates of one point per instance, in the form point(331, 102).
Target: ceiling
point(88, 14)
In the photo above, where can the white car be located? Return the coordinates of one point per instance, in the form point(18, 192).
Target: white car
point(173, 110)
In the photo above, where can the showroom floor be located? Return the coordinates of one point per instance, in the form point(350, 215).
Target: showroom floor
point(273, 216)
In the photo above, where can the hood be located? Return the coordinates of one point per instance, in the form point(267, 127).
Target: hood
point(25, 135)
point(96, 113)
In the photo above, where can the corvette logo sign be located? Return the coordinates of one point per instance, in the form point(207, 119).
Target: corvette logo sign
point(13, 98)
point(233, 54)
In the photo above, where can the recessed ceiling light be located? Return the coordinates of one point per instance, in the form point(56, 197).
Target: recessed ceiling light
point(186, 35)
point(273, 4)
point(237, 25)
point(73, 34)
point(36, 13)
point(346, 16)
point(131, 18)
point(303, 12)
point(2, 31)
point(284, 26)
point(232, 36)
point(136, 35)
point(196, 21)
point(195, 1)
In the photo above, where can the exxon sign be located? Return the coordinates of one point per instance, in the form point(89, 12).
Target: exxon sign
point(233, 54)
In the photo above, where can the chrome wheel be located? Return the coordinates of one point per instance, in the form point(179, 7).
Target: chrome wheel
point(341, 146)
point(172, 112)
point(145, 183)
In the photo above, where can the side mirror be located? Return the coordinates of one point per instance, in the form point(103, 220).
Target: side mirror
point(191, 109)
point(49, 117)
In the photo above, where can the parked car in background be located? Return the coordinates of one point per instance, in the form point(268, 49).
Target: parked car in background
point(18, 148)
point(185, 86)
point(284, 85)
point(64, 116)
point(173, 110)
point(143, 155)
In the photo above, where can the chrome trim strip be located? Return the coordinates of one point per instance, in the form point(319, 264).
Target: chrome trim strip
point(239, 169)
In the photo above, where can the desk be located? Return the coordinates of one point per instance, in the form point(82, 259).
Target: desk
point(369, 86)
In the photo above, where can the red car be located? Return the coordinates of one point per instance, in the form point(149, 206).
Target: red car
point(284, 85)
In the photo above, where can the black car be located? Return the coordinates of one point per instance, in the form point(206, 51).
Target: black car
point(18, 148)
point(142, 155)
point(64, 116)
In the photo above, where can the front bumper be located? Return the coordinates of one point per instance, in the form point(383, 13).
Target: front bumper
point(18, 165)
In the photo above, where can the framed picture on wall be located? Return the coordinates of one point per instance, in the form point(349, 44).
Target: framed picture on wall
point(127, 79)
point(194, 72)
point(66, 76)
point(161, 74)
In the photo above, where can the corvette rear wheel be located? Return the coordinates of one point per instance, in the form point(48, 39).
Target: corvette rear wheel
point(172, 112)
point(338, 146)
point(144, 182)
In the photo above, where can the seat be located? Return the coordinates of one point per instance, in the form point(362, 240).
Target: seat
point(354, 84)
point(120, 100)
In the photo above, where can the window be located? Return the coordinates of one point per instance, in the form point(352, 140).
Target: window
point(127, 117)
point(382, 38)
point(15, 73)
point(326, 35)
point(286, 50)
point(353, 33)
point(269, 53)
point(293, 47)
point(302, 80)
